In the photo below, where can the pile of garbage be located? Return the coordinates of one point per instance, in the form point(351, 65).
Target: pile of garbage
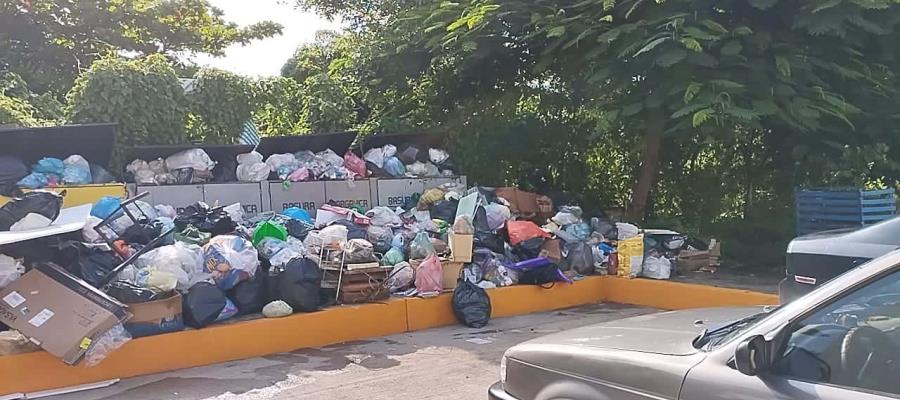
point(300, 166)
point(205, 265)
point(50, 172)
point(409, 161)
point(185, 167)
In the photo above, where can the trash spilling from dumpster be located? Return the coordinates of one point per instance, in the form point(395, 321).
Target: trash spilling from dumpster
point(134, 267)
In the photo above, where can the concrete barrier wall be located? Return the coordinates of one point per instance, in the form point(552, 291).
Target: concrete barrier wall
point(238, 340)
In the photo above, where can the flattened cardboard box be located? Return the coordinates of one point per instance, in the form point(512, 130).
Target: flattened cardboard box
point(58, 311)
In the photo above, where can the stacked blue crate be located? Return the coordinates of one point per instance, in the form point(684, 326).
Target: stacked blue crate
point(822, 209)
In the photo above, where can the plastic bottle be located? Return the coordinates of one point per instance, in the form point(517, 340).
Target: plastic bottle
point(612, 265)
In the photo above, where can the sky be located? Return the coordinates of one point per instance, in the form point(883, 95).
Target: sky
point(265, 57)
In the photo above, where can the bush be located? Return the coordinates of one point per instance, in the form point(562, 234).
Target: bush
point(220, 104)
point(144, 96)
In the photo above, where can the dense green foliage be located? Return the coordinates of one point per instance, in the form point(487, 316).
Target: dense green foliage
point(220, 104)
point(20, 106)
point(703, 115)
point(143, 96)
point(50, 42)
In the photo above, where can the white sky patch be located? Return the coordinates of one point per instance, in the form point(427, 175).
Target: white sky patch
point(265, 57)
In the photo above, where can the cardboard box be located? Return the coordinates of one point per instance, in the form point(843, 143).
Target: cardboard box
point(461, 247)
point(58, 311)
point(694, 260)
point(452, 271)
point(552, 250)
point(155, 317)
point(526, 203)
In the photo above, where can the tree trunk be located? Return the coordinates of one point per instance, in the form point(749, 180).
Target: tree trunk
point(640, 192)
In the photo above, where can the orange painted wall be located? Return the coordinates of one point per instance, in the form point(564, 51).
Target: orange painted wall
point(233, 341)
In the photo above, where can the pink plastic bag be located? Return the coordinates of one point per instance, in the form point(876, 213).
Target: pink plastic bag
point(355, 164)
point(300, 175)
point(430, 276)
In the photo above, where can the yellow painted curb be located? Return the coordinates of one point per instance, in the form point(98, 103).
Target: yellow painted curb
point(41, 371)
point(232, 341)
point(669, 295)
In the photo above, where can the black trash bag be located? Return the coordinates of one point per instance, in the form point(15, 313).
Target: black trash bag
point(141, 234)
point(213, 221)
point(95, 266)
point(541, 276)
point(411, 153)
point(47, 204)
point(471, 304)
point(445, 210)
point(100, 175)
point(447, 165)
point(298, 285)
point(354, 231)
point(375, 170)
point(528, 249)
point(12, 169)
point(298, 228)
point(130, 293)
point(579, 258)
point(484, 237)
point(202, 305)
point(250, 296)
point(225, 171)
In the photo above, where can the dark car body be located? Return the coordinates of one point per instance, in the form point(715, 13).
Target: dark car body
point(817, 258)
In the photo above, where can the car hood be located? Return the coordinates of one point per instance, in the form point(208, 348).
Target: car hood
point(668, 333)
point(648, 355)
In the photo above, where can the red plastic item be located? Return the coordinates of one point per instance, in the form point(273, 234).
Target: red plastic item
point(612, 265)
point(520, 231)
point(355, 164)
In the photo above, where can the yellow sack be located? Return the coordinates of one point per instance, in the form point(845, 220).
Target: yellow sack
point(631, 256)
point(430, 197)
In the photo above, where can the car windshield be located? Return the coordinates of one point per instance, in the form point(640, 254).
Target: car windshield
point(711, 339)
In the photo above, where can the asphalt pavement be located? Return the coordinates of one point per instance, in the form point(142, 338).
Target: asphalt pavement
point(452, 362)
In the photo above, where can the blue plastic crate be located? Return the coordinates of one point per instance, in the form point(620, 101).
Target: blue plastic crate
point(821, 209)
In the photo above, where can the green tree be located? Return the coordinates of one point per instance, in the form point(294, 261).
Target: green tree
point(20, 106)
point(674, 70)
point(220, 104)
point(50, 42)
point(144, 96)
point(279, 109)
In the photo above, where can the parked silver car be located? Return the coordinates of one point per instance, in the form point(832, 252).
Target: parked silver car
point(841, 341)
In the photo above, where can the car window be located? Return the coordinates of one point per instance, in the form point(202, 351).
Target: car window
point(853, 342)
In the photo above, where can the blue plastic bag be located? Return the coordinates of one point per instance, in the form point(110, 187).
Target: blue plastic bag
point(394, 167)
point(298, 214)
point(581, 231)
point(105, 207)
point(49, 166)
point(34, 180)
point(76, 171)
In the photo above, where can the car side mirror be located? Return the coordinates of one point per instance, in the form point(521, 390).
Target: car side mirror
point(752, 355)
